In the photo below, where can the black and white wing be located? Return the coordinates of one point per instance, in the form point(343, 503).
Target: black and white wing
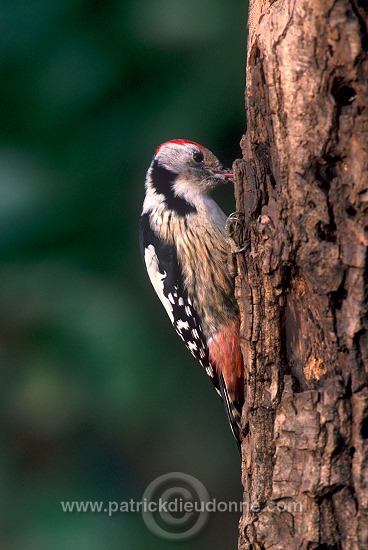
point(165, 274)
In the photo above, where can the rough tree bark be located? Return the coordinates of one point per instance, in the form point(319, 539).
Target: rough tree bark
point(302, 285)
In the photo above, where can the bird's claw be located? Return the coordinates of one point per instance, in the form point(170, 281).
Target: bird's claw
point(234, 224)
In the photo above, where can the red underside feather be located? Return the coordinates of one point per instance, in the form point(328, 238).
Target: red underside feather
point(225, 354)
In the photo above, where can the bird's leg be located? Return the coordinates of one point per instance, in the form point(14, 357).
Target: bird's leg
point(234, 225)
point(234, 230)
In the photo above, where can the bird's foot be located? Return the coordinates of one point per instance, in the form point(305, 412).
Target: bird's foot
point(234, 228)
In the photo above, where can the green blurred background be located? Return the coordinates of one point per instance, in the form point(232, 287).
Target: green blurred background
point(98, 395)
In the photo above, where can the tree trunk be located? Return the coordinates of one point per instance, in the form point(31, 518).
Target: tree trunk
point(303, 187)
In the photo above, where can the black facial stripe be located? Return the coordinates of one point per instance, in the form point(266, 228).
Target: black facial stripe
point(162, 180)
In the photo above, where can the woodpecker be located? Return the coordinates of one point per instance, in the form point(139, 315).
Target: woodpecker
point(184, 246)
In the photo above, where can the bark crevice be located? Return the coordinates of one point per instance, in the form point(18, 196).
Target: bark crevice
point(302, 286)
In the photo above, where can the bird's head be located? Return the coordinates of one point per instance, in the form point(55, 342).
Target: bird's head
point(189, 167)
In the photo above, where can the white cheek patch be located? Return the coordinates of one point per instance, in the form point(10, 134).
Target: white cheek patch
point(157, 278)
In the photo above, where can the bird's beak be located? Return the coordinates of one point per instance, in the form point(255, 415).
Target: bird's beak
point(227, 173)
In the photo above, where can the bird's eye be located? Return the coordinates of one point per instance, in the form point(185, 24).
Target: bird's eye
point(197, 156)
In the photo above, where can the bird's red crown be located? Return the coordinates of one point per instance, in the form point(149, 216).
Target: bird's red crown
point(180, 142)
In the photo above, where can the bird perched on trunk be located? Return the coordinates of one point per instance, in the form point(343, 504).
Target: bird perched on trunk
point(184, 245)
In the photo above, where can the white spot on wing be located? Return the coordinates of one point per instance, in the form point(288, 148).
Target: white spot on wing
point(209, 371)
point(183, 325)
point(192, 346)
point(157, 278)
